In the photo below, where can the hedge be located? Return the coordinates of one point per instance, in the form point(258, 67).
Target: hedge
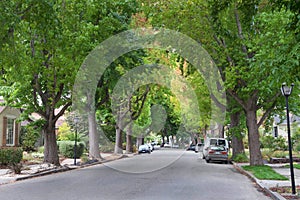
point(10, 155)
point(66, 148)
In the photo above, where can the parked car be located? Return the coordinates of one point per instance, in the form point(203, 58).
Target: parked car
point(215, 142)
point(150, 147)
point(216, 153)
point(167, 145)
point(191, 147)
point(144, 149)
point(198, 147)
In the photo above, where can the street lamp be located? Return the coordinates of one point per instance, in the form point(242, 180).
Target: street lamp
point(287, 91)
point(76, 120)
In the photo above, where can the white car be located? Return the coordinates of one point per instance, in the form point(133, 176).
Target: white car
point(209, 142)
point(150, 146)
point(198, 147)
point(144, 148)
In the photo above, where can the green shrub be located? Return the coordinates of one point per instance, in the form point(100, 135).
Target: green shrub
point(107, 148)
point(296, 136)
point(10, 156)
point(135, 149)
point(66, 134)
point(29, 139)
point(241, 158)
point(41, 149)
point(66, 148)
point(273, 143)
point(84, 158)
point(124, 145)
point(266, 153)
point(297, 146)
point(279, 154)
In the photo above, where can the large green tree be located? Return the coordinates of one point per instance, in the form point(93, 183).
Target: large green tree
point(43, 45)
point(259, 49)
point(251, 43)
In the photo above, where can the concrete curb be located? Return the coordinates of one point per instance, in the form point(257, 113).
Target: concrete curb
point(44, 173)
point(273, 195)
point(63, 169)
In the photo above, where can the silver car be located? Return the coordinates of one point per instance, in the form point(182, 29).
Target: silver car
point(216, 153)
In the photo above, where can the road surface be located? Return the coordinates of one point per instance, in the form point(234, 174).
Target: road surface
point(161, 175)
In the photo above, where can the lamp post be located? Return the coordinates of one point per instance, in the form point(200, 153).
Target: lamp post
point(287, 91)
point(76, 120)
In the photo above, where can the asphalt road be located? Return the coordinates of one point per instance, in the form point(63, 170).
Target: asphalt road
point(161, 175)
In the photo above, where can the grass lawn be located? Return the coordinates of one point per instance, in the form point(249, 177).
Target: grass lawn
point(264, 172)
point(295, 165)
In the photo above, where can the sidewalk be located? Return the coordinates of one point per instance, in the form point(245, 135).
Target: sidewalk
point(267, 184)
point(30, 171)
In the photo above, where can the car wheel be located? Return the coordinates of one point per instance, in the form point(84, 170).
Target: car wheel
point(207, 160)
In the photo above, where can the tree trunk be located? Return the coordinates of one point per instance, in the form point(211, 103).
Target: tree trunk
point(50, 145)
point(237, 138)
point(94, 151)
point(118, 145)
point(163, 140)
point(139, 141)
point(221, 130)
point(253, 138)
point(129, 145)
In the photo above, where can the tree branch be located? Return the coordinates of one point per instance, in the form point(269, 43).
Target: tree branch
point(269, 110)
point(135, 115)
point(217, 102)
point(235, 96)
point(239, 27)
point(62, 111)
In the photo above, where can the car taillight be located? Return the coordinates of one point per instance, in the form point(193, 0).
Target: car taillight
point(224, 152)
point(211, 151)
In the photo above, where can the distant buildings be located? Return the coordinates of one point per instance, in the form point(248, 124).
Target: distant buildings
point(280, 126)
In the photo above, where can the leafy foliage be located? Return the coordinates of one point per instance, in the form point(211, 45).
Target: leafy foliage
point(45, 42)
point(296, 139)
point(11, 157)
point(65, 133)
point(241, 158)
point(66, 148)
point(273, 143)
point(30, 137)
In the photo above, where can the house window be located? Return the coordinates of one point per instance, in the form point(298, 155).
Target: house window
point(10, 132)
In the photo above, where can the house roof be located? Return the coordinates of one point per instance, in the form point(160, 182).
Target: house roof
point(2, 108)
point(293, 119)
point(34, 116)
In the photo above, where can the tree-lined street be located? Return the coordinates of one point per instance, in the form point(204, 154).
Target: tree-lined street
point(175, 174)
point(79, 79)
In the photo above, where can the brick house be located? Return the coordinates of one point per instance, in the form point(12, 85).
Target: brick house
point(9, 128)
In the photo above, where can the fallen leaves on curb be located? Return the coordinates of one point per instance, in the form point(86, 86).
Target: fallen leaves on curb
point(286, 192)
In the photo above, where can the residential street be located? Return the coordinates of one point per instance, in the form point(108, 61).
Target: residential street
point(163, 174)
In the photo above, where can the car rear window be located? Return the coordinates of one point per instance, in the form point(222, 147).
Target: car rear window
point(217, 142)
point(217, 148)
point(213, 142)
point(222, 142)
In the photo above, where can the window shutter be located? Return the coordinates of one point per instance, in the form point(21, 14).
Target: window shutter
point(16, 133)
point(4, 131)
